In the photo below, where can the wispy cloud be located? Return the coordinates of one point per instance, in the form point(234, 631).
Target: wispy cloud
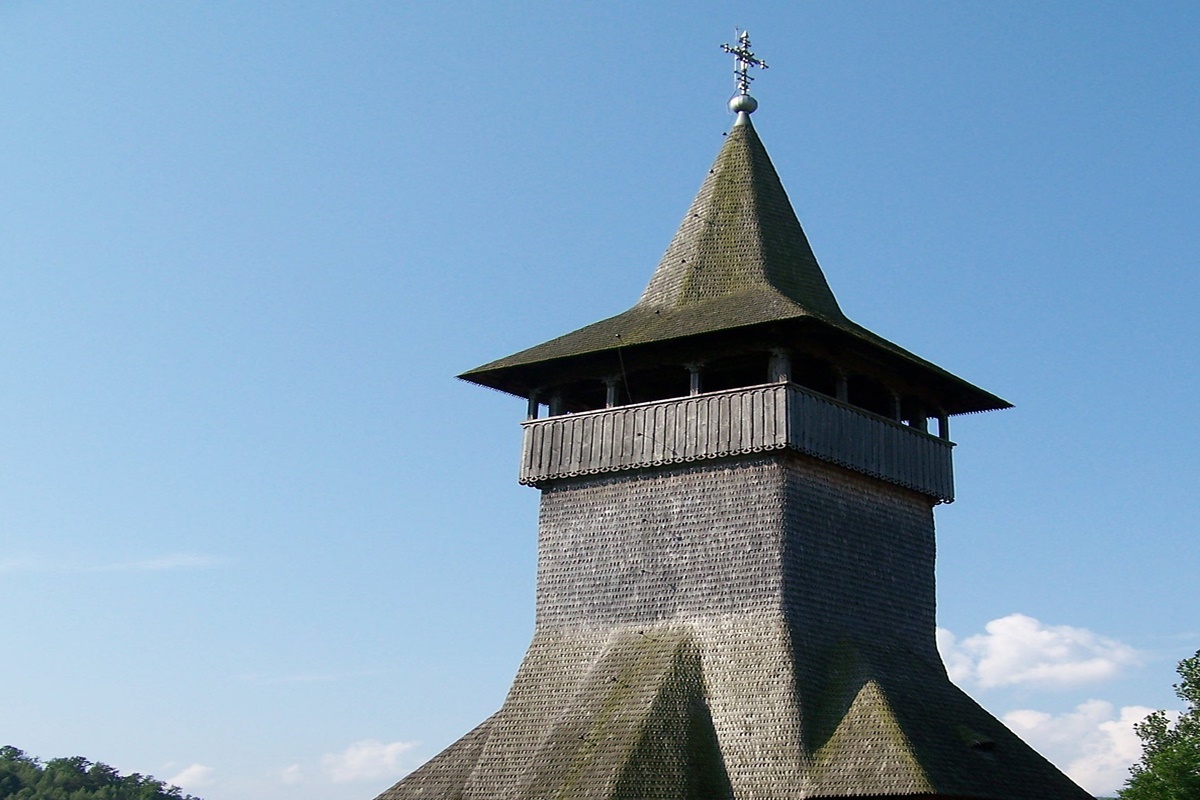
point(292, 774)
point(1018, 649)
point(366, 760)
point(163, 563)
point(195, 776)
point(1094, 744)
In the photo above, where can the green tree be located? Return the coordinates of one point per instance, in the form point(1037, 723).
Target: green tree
point(23, 777)
point(1170, 765)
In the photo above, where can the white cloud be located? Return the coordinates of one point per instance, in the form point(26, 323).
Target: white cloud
point(161, 563)
point(958, 663)
point(367, 759)
point(292, 775)
point(194, 777)
point(1092, 744)
point(1021, 650)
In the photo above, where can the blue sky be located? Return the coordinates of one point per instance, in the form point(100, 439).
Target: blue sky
point(256, 538)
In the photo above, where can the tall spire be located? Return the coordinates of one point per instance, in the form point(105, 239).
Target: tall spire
point(740, 234)
point(739, 269)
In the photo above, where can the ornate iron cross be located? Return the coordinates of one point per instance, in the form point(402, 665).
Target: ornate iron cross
point(744, 60)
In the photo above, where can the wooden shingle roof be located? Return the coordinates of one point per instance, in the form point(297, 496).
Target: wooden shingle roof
point(739, 260)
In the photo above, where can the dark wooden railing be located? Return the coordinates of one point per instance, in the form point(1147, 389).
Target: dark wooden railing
point(735, 422)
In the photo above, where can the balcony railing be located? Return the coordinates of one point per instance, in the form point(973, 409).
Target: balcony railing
point(734, 422)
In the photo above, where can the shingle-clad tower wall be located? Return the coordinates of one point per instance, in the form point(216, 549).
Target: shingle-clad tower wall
point(735, 590)
point(777, 534)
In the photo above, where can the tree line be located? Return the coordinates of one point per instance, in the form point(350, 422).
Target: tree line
point(1170, 765)
point(23, 777)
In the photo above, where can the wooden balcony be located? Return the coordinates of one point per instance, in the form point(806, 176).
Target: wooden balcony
point(734, 422)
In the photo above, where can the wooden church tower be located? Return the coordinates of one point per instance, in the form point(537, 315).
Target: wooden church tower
point(735, 592)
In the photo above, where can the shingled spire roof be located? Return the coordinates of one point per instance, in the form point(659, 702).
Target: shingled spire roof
point(739, 261)
point(741, 235)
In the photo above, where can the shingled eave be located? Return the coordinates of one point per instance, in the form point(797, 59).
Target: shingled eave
point(644, 324)
point(980, 399)
point(643, 327)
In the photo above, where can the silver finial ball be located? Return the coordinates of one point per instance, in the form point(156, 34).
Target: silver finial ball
point(743, 102)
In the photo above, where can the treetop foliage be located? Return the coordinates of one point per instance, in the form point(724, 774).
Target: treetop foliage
point(23, 777)
point(1170, 765)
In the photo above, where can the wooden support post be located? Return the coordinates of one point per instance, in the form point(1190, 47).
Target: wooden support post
point(943, 425)
point(610, 391)
point(781, 366)
point(556, 403)
point(843, 386)
point(695, 385)
point(920, 418)
point(531, 411)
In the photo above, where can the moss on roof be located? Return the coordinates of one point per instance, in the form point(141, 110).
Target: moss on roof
point(740, 258)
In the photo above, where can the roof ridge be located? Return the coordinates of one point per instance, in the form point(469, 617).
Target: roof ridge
point(872, 721)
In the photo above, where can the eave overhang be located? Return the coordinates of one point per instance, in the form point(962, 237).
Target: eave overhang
point(647, 338)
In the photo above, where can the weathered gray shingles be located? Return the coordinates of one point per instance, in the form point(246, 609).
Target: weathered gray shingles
point(444, 776)
point(758, 627)
point(806, 593)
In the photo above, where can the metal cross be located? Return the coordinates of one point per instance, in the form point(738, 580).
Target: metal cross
point(744, 60)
